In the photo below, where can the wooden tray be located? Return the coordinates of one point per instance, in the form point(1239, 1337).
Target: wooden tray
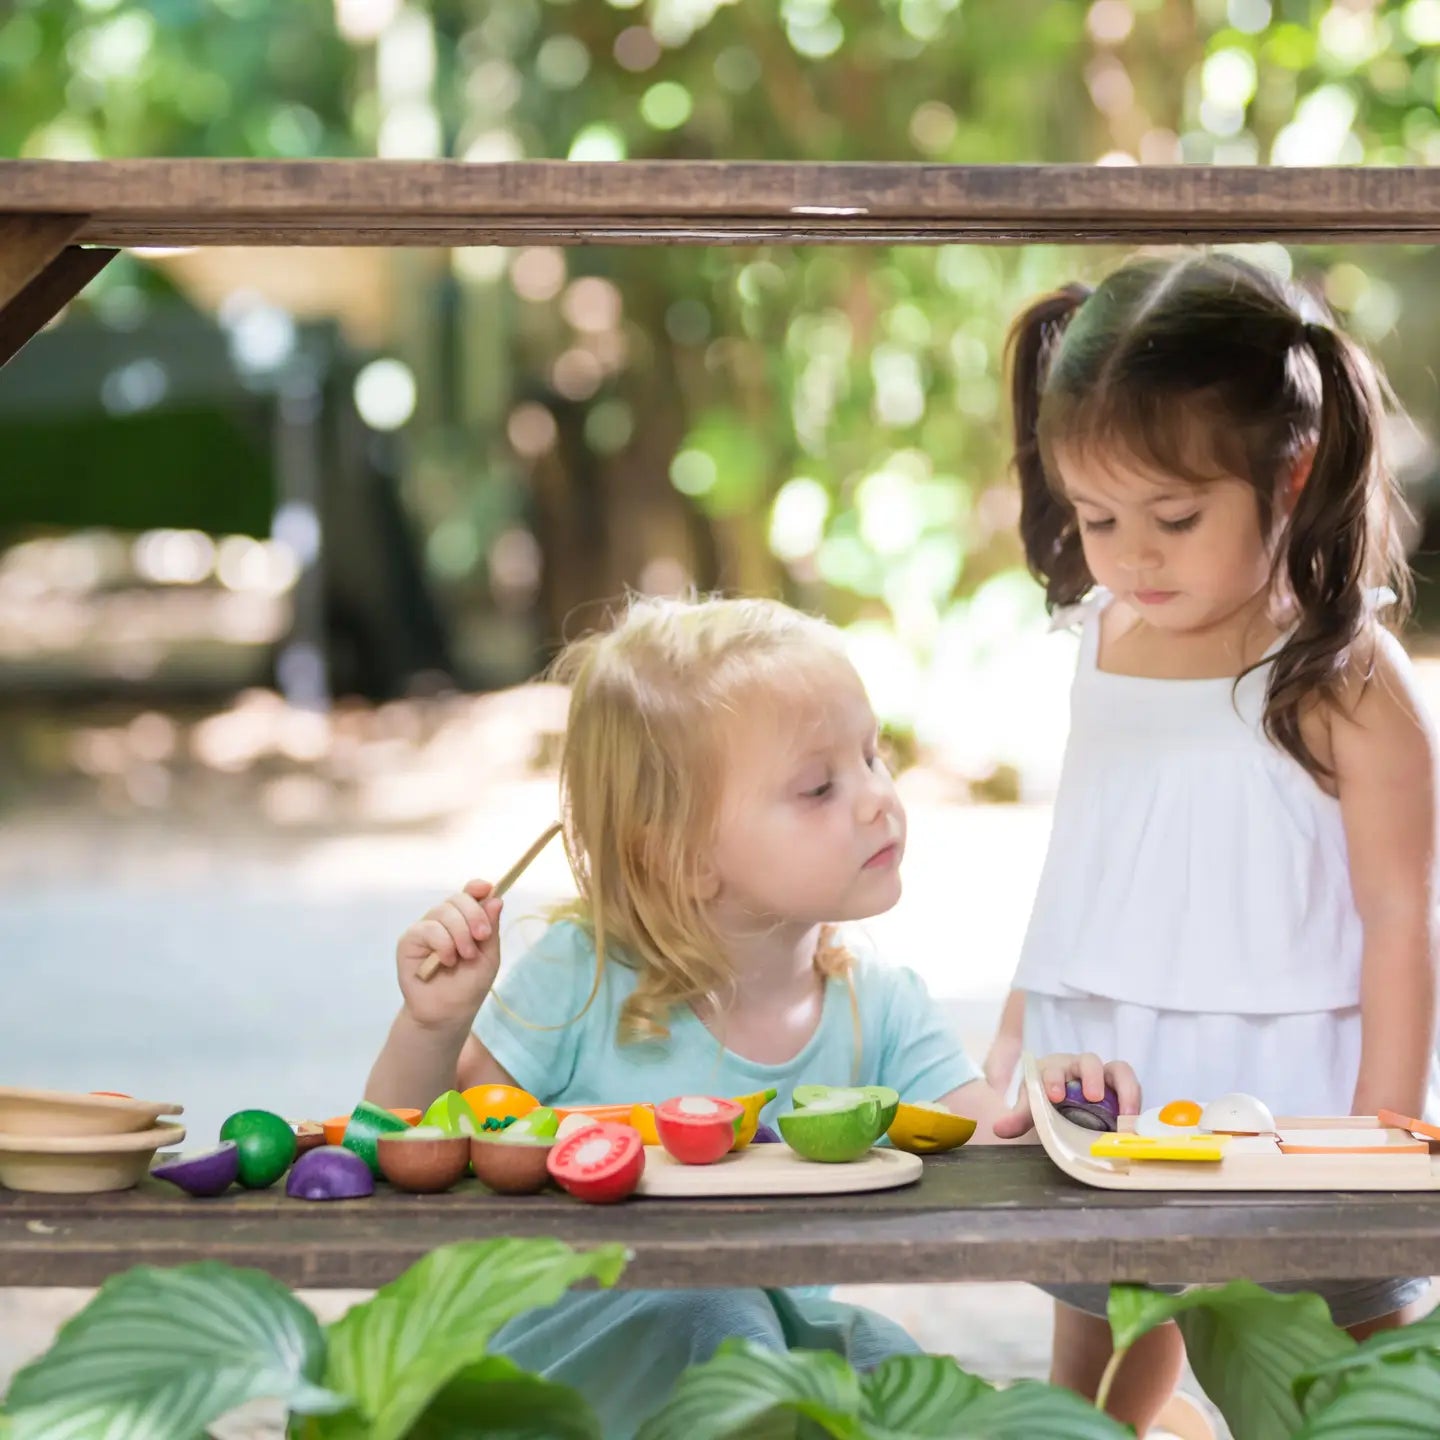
point(1251, 1162)
point(776, 1170)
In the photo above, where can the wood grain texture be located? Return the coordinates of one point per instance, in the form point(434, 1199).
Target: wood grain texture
point(383, 202)
point(28, 243)
point(982, 1213)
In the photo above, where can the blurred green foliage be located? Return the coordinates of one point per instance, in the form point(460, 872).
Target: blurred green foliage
point(829, 421)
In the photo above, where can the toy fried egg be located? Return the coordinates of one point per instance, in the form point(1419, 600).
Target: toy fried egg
point(1237, 1114)
point(1179, 1117)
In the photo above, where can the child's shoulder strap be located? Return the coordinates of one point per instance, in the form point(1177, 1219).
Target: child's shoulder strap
point(1075, 617)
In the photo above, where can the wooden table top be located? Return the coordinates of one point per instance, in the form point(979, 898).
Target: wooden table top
point(448, 202)
point(979, 1214)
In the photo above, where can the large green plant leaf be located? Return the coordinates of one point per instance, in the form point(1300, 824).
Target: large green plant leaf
point(1246, 1346)
point(1319, 1385)
point(913, 1396)
point(496, 1400)
point(393, 1355)
point(1399, 1400)
point(749, 1391)
point(918, 1394)
point(159, 1354)
point(1019, 1412)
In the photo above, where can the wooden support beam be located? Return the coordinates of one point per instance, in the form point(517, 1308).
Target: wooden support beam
point(40, 273)
point(28, 243)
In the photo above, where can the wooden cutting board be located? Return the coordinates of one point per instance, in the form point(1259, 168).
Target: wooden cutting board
point(776, 1170)
point(1353, 1152)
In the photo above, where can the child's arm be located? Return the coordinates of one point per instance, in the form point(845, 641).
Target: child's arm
point(430, 1046)
point(1385, 769)
point(999, 1122)
point(1005, 1048)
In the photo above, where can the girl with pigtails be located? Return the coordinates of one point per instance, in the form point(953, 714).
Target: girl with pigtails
point(1240, 886)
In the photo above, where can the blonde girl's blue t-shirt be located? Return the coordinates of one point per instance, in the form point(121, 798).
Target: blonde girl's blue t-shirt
point(903, 1040)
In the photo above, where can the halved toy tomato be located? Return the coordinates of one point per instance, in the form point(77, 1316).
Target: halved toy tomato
point(697, 1129)
point(600, 1164)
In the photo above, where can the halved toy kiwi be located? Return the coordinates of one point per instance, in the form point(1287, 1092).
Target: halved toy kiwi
point(839, 1126)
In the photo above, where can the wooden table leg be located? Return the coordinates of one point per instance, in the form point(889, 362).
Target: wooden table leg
point(40, 273)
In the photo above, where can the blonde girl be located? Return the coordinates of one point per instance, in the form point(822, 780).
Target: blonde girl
point(726, 811)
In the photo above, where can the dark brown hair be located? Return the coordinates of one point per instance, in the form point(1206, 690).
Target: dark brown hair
point(1205, 367)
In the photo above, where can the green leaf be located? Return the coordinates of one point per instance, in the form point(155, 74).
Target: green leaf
point(162, 1353)
point(915, 1396)
point(1134, 1310)
point(749, 1391)
point(496, 1400)
point(393, 1355)
point(919, 1394)
point(1247, 1347)
point(1317, 1386)
point(1395, 1401)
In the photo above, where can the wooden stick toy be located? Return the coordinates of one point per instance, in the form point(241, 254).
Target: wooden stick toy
point(432, 964)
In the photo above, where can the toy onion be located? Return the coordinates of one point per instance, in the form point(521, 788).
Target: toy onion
point(330, 1173)
point(209, 1172)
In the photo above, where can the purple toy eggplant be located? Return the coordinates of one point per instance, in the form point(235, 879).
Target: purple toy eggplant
point(1090, 1114)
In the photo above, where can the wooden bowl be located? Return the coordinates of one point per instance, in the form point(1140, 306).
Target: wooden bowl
point(55, 1113)
point(81, 1164)
point(424, 1167)
point(511, 1169)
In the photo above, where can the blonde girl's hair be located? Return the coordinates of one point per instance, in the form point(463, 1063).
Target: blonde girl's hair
point(641, 781)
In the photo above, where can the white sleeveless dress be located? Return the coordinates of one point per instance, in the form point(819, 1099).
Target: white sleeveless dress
point(1194, 915)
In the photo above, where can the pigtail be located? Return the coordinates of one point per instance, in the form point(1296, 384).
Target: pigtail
point(1047, 525)
point(1341, 540)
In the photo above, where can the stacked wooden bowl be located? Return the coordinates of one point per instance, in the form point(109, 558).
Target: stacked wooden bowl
point(56, 1143)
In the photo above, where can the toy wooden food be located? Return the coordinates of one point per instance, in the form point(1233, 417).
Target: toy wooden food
point(430, 966)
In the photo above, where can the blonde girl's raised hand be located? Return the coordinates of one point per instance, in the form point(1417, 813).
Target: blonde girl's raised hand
point(463, 933)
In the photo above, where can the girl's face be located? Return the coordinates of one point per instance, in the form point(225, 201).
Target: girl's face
point(1185, 556)
point(811, 828)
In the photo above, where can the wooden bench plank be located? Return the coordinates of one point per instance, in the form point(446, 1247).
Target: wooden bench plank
point(987, 1214)
point(157, 202)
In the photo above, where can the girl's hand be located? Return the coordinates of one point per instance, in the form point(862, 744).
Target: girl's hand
point(464, 931)
point(1091, 1071)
